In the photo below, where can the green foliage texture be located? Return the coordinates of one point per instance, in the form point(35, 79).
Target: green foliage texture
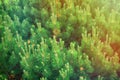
point(59, 39)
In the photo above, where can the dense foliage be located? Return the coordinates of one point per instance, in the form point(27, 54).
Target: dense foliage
point(59, 39)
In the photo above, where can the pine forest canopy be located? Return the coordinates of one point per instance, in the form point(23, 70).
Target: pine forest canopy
point(59, 39)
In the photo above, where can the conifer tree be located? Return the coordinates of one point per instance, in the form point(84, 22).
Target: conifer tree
point(60, 39)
